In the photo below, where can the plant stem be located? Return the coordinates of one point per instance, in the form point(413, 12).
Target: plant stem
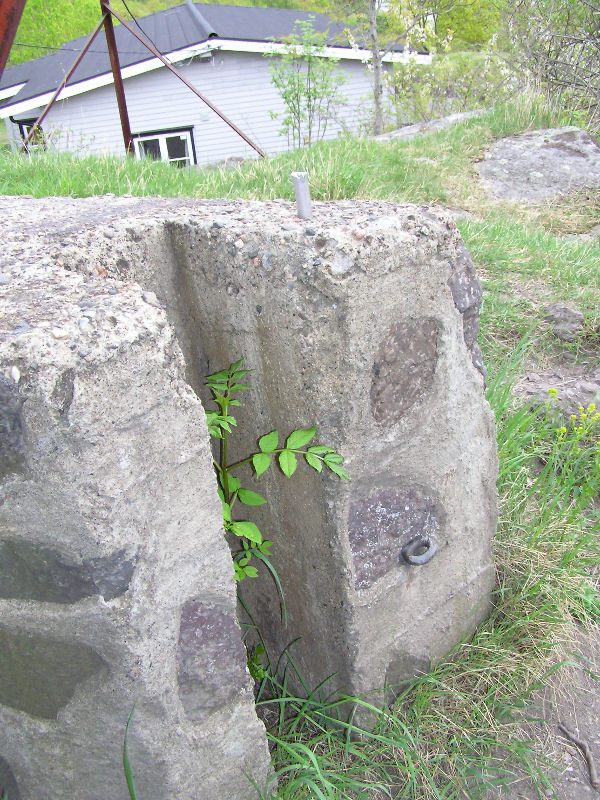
point(223, 452)
point(240, 463)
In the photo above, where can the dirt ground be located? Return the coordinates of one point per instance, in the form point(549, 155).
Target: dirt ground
point(570, 703)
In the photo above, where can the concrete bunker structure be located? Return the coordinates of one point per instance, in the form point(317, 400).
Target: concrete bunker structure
point(363, 321)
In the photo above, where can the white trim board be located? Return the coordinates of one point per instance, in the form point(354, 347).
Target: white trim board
point(11, 91)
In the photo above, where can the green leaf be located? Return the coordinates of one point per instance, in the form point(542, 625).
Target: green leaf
point(265, 547)
point(249, 498)
point(226, 511)
point(261, 462)
point(268, 442)
point(126, 764)
point(251, 572)
point(240, 374)
point(234, 403)
point(217, 376)
point(233, 483)
point(218, 387)
point(320, 449)
point(287, 462)
point(338, 471)
point(236, 365)
point(238, 387)
point(332, 458)
point(248, 530)
point(313, 461)
point(299, 438)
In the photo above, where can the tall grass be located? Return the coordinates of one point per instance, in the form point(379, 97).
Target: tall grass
point(524, 268)
point(436, 168)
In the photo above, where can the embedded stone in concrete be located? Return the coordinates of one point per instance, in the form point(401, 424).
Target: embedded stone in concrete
point(379, 526)
point(8, 785)
point(33, 572)
point(111, 575)
point(11, 427)
point(40, 675)
point(467, 295)
point(62, 394)
point(211, 663)
point(403, 370)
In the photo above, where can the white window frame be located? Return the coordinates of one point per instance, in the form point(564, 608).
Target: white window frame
point(161, 137)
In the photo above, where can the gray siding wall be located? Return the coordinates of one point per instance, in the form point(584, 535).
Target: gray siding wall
point(238, 84)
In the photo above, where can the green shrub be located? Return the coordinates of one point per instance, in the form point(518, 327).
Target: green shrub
point(449, 84)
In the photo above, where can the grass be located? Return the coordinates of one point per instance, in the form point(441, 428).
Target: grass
point(434, 169)
point(456, 731)
point(523, 268)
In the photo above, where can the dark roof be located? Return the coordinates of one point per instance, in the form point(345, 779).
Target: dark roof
point(170, 30)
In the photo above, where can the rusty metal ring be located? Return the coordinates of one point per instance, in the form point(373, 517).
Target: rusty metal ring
point(418, 551)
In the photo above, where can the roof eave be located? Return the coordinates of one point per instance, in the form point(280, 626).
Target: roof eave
point(198, 49)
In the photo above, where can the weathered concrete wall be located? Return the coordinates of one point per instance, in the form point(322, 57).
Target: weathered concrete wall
point(364, 322)
point(115, 580)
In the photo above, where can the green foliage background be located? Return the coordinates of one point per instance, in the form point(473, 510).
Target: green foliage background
point(471, 23)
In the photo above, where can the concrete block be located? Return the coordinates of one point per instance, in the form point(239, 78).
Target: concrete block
point(115, 581)
point(363, 321)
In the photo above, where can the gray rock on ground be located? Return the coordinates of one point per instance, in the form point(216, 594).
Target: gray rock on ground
point(573, 390)
point(565, 320)
point(407, 132)
point(539, 165)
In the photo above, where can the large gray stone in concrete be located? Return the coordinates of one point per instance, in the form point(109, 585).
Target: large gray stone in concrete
point(109, 529)
point(40, 675)
point(11, 427)
point(364, 322)
point(32, 572)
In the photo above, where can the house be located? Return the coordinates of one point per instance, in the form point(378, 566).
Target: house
point(220, 49)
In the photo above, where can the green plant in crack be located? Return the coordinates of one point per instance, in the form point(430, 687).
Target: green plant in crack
point(225, 386)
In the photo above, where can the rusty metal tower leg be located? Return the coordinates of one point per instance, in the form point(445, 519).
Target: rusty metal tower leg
point(10, 15)
point(113, 54)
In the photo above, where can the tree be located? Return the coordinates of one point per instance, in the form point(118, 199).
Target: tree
point(558, 43)
point(309, 84)
point(378, 25)
point(469, 23)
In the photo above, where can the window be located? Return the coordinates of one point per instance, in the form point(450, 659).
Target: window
point(176, 147)
point(38, 140)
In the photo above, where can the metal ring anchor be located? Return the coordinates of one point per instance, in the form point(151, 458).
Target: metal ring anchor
point(418, 551)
